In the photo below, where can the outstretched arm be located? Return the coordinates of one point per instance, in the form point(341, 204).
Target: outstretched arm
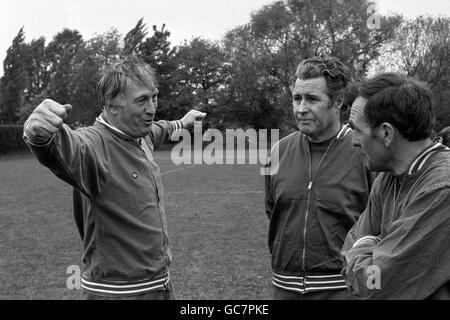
point(192, 116)
point(70, 155)
point(45, 121)
point(163, 130)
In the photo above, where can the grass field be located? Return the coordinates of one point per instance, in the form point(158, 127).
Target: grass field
point(216, 221)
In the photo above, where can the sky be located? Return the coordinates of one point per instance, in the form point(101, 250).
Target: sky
point(185, 19)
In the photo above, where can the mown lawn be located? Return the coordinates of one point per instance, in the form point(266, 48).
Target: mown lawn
point(216, 221)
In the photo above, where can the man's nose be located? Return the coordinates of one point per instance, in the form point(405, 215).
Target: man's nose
point(301, 108)
point(150, 107)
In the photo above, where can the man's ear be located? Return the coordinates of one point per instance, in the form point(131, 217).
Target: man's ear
point(111, 110)
point(387, 132)
point(113, 106)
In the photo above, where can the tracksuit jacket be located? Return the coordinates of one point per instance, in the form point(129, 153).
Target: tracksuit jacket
point(118, 204)
point(310, 215)
point(409, 218)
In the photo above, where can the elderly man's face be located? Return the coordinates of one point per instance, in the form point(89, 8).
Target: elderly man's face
point(312, 108)
point(370, 142)
point(135, 109)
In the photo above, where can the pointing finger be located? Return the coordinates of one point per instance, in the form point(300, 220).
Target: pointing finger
point(198, 112)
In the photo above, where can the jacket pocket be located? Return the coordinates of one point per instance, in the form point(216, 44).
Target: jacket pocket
point(286, 231)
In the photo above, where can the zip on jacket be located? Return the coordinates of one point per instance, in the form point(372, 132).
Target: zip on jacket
point(324, 205)
point(118, 204)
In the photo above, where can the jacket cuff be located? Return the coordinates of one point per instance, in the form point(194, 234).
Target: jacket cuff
point(35, 141)
point(367, 241)
point(177, 125)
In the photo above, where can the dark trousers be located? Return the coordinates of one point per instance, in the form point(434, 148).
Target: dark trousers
point(164, 294)
point(281, 294)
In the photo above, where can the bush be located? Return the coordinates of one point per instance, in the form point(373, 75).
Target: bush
point(11, 139)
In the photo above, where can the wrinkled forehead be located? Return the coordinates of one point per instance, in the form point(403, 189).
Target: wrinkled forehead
point(311, 86)
point(137, 87)
point(144, 80)
point(357, 111)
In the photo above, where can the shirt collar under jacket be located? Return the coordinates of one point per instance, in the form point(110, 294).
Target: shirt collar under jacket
point(422, 158)
point(102, 120)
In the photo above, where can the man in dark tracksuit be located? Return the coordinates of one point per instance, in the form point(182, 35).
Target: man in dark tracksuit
point(321, 188)
point(399, 248)
point(118, 192)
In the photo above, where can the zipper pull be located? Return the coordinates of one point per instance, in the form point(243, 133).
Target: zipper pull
point(310, 185)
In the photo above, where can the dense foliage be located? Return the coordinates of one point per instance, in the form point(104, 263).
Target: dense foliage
point(243, 80)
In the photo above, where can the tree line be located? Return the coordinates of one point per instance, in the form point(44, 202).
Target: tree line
point(242, 80)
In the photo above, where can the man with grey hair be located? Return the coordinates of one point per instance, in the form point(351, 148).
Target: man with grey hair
point(118, 192)
point(320, 190)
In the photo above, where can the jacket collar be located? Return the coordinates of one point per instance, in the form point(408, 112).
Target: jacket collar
point(345, 129)
point(422, 158)
point(101, 119)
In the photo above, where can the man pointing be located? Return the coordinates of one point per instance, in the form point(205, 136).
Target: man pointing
point(118, 192)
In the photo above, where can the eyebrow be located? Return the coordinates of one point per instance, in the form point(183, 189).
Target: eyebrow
point(145, 95)
point(141, 96)
point(307, 95)
point(312, 95)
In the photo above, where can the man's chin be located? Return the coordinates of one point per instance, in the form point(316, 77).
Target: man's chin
point(374, 168)
point(306, 130)
point(143, 133)
point(146, 133)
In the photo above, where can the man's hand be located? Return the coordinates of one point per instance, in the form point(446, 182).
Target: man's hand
point(46, 119)
point(191, 116)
